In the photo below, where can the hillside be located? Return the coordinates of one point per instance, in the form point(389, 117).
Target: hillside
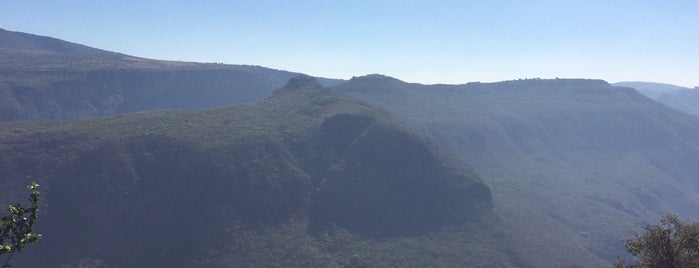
point(575, 166)
point(304, 178)
point(650, 89)
point(43, 78)
point(680, 98)
point(686, 101)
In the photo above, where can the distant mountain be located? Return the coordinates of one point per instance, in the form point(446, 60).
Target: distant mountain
point(680, 98)
point(652, 90)
point(685, 100)
point(45, 78)
point(575, 166)
point(304, 178)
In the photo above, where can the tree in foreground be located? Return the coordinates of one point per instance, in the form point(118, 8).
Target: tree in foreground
point(669, 244)
point(16, 228)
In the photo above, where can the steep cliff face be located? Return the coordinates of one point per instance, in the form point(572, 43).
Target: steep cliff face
point(166, 188)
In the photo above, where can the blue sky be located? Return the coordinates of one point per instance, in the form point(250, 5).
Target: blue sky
point(415, 41)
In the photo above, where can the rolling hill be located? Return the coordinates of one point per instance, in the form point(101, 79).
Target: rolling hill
point(575, 166)
point(306, 177)
point(43, 78)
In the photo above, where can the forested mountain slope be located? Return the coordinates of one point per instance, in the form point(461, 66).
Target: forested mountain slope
point(304, 178)
point(575, 165)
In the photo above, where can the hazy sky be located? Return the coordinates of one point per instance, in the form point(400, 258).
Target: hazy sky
point(416, 41)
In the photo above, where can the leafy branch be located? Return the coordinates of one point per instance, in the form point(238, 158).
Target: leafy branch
point(16, 228)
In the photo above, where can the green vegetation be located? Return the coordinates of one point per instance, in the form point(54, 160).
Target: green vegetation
point(288, 245)
point(573, 164)
point(311, 177)
point(671, 243)
point(16, 229)
point(290, 176)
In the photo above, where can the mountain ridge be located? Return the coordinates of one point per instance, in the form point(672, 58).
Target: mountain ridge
point(567, 165)
point(44, 78)
point(579, 159)
point(305, 160)
point(677, 97)
point(37, 43)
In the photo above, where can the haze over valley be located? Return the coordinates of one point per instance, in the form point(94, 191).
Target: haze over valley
point(181, 163)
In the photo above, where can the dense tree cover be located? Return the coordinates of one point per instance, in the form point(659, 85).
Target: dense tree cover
point(16, 229)
point(671, 243)
point(557, 151)
point(305, 178)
